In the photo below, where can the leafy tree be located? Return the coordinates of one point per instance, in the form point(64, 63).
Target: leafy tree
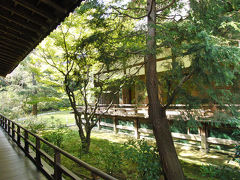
point(80, 53)
point(19, 95)
point(205, 36)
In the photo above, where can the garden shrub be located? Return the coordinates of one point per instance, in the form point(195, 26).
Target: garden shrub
point(145, 157)
point(219, 172)
point(34, 125)
point(112, 159)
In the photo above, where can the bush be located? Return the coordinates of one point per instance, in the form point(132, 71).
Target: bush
point(112, 159)
point(145, 157)
point(34, 125)
point(219, 172)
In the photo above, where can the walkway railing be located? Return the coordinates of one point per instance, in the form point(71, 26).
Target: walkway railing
point(55, 169)
point(139, 115)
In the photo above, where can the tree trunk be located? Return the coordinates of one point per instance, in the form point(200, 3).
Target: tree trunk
point(157, 114)
point(34, 106)
point(85, 141)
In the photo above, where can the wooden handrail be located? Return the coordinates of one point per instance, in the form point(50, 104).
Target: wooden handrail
point(59, 169)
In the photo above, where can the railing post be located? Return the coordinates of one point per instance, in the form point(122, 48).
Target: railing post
point(1, 120)
point(204, 135)
point(8, 127)
point(136, 128)
point(115, 123)
point(38, 154)
point(57, 161)
point(99, 124)
point(13, 131)
point(5, 124)
point(26, 147)
point(18, 136)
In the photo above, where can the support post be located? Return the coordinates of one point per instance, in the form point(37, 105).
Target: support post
point(1, 121)
point(18, 136)
point(13, 131)
point(136, 128)
point(38, 154)
point(57, 161)
point(204, 135)
point(5, 124)
point(8, 121)
point(26, 147)
point(115, 123)
point(99, 124)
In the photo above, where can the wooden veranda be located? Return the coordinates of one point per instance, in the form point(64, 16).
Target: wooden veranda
point(13, 162)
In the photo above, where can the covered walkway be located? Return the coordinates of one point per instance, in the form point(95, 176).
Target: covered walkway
point(14, 165)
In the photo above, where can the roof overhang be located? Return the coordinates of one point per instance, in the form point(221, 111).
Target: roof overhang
point(24, 24)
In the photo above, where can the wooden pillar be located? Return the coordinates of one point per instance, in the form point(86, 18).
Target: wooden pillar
point(26, 147)
point(115, 123)
point(99, 123)
point(18, 136)
point(13, 131)
point(5, 124)
point(57, 161)
point(1, 120)
point(188, 131)
point(8, 127)
point(204, 135)
point(38, 154)
point(136, 128)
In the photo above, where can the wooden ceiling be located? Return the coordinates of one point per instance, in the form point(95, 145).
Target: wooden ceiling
point(24, 24)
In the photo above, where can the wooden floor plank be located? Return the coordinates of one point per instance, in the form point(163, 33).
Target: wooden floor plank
point(14, 165)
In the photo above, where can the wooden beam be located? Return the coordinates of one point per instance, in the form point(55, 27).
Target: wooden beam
point(16, 34)
point(14, 44)
point(34, 9)
point(11, 35)
point(19, 21)
point(55, 6)
point(20, 12)
point(17, 28)
point(15, 41)
point(5, 62)
point(7, 56)
point(19, 50)
point(3, 49)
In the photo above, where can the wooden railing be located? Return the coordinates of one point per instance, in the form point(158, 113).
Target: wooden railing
point(138, 115)
point(55, 169)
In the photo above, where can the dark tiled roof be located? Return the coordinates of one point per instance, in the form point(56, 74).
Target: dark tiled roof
point(24, 24)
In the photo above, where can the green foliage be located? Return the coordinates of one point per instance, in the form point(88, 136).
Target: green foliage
point(146, 158)
point(112, 159)
point(56, 137)
point(34, 125)
point(221, 172)
point(237, 154)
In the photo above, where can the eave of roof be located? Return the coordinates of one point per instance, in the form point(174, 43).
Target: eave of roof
point(24, 24)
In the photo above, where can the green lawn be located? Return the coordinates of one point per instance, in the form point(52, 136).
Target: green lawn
point(64, 117)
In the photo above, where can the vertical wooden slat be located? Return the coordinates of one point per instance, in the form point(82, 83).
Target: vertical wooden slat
point(99, 124)
point(136, 128)
point(57, 161)
point(26, 147)
point(115, 123)
point(18, 135)
point(13, 131)
point(204, 136)
point(8, 129)
point(38, 154)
